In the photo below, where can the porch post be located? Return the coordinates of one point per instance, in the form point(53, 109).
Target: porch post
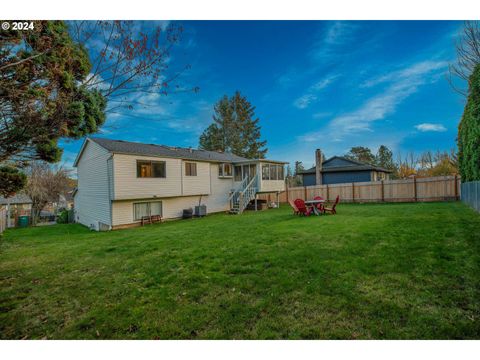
point(256, 195)
point(278, 200)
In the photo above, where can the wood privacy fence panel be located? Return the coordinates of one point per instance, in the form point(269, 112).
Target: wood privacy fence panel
point(471, 194)
point(440, 188)
point(3, 220)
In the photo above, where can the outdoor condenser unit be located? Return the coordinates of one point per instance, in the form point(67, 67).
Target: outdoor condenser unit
point(201, 210)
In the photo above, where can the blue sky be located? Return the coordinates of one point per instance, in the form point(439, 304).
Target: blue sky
point(315, 84)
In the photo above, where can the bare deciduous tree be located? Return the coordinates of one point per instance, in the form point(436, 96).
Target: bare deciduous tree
point(45, 184)
point(468, 55)
point(130, 59)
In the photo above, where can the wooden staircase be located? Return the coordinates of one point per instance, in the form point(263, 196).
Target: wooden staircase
point(240, 198)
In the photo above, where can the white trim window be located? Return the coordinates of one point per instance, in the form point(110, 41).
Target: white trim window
point(147, 208)
point(190, 169)
point(273, 172)
point(151, 169)
point(225, 170)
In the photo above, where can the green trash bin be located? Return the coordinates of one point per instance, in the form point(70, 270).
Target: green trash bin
point(23, 221)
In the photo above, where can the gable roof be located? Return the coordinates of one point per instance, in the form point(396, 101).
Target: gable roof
point(355, 166)
point(135, 148)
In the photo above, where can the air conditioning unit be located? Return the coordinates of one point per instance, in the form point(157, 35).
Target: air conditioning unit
point(187, 213)
point(201, 210)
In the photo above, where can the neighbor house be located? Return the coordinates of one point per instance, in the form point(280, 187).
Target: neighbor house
point(337, 170)
point(121, 182)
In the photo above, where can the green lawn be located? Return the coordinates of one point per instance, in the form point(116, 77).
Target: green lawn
point(391, 271)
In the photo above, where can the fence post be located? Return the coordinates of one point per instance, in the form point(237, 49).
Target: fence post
point(286, 188)
point(456, 188)
point(353, 192)
point(383, 192)
point(305, 192)
point(327, 192)
point(415, 187)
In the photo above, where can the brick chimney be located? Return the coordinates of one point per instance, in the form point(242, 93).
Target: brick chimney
point(318, 166)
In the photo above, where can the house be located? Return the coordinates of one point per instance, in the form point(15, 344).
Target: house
point(120, 182)
point(337, 170)
point(15, 206)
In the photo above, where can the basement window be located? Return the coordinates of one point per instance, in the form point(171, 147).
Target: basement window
point(146, 209)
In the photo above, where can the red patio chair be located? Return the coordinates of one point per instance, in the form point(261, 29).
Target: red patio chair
point(332, 209)
point(294, 208)
point(302, 209)
point(319, 206)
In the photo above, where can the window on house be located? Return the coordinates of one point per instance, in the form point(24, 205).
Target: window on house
point(273, 172)
point(265, 172)
point(225, 170)
point(238, 173)
point(190, 169)
point(146, 209)
point(149, 169)
point(280, 172)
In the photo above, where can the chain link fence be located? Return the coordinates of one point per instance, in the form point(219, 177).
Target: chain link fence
point(470, 194)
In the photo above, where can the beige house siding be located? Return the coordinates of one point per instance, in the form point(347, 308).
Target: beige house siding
point(196, 185)
point(221, 187)
point(128, 186)
point(172, 207)
point(272, 185)
point(92, 200)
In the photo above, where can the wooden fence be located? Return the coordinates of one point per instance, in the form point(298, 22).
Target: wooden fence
point(440, 188)
point(3, 220)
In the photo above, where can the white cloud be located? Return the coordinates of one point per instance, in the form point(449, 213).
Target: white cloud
point(405, 83)
point(338, 31)
point(424, 127)
point(321, 114)
point(417, 69)
point(323, 83)
point(337, 34)
point(305, 100)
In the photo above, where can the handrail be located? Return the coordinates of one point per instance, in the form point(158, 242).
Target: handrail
point(244, 194)
point(249, 184)
point(242, 185)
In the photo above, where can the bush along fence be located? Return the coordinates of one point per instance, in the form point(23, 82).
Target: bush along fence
point(439, 188)
point(471, 194)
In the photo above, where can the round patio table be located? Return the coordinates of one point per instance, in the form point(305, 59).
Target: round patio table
point(314, 203)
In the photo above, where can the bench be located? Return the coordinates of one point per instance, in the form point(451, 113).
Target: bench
point(151, 219)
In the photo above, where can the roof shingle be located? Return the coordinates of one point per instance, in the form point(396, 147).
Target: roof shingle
point(127, 147)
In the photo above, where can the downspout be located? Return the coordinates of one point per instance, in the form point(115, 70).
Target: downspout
point(110, 184)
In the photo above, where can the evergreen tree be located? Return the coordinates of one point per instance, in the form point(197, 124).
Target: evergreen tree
point(361, 154)
point(469, 132)
point(12, 180)
point(384, 158)
point(298, 167)
point(235, 129)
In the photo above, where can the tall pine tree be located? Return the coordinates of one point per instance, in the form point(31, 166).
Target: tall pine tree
point(235, 129)
point(384, 158)
point(469, 132)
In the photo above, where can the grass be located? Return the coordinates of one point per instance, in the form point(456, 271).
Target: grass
point(393, 271)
